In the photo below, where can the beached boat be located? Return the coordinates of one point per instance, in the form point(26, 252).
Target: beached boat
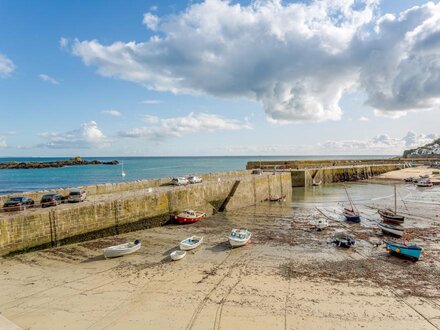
point(389, 215)
point(321, 224)
point(394, 230)
point(177, 255)
point(424, 183)
point(191, 243)
point(278, 199)
point(190, 216)
point(342, 239)
point(410, 179)
point(407, 251)
point(351, 214)
point(239, 237)
point(121, 250)
point(316, 183)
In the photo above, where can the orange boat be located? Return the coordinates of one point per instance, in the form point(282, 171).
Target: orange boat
point(190, 216)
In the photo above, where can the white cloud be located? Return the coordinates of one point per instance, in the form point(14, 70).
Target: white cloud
point(151, 21)
point(64, 42)
point(163, 128)
point(113, 113)
point(6, 66)
point(151, 102)
point(87, 136)
point(3, 143)
point(45, 77)
point(296, 59)
point(364, 119)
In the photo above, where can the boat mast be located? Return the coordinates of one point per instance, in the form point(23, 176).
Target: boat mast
point(395, 199)
point(349, 199)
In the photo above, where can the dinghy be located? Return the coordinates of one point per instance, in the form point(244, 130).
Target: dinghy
point(189, 216)
point(351, 214)
point(394, 230)
point(121, 250)
point(177, 255)
point(239, 237)
point(424, 183)
point(389, 215)
point(342, 239)
point(191, 243)
point(406, 251)
point(321, 224)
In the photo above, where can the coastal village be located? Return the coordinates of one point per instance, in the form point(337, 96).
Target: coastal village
point(298, 245)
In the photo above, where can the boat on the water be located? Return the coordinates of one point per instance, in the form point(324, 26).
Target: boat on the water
point(424, 183)
point(351, 214)
point(177, 255)
point(190, 216)
point(389, 215)
point(321, 224)
point(342, 239)
point(191, 243)
point(239, 237)
point(393, 230)
point(122, 249)
point(406, 251)
point(316, 184)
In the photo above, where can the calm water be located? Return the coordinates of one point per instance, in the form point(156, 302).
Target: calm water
point(136, 168)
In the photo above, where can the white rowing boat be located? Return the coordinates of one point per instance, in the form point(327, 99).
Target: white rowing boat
point(321, 224)
point(395, 230)
point(177, 255)
point(121, 250)
point(191, 243)
point(239, 237)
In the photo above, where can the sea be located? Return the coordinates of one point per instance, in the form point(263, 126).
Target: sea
point(136, 168)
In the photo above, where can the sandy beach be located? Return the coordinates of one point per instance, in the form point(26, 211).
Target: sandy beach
point(289, 277)
point(411, 172)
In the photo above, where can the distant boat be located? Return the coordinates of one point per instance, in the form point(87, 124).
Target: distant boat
point(177, 255)
point(424, 183)
point(407, 251)
point(389, 215)
point(189, 216)
point(342, 239)
point(410, 179)
point(321, 224)
point(121, 250)
point(122, 169)
point(191, 243)
point(351, 214)
point(278, 199)
point(316, 183)
point(239, 237)
point(393, 230)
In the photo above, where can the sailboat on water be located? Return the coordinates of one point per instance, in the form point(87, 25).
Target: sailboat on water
point(389, 215)
point(351, 214)
point(122, 169)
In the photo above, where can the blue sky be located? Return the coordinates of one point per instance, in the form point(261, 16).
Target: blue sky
point(170, 78)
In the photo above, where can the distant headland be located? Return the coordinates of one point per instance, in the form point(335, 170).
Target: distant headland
point(59, 163)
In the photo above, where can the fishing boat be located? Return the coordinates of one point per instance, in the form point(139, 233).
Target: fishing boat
point(342, 239)
point(394, 230)
point(177, 255)
point(321, 224)
point(239, 237)
point(406, 251)
point(389, 215)
point(191, 243)
point(122, 169)
point(351, 214)
point(121, 250)
point(190, 216)
point(424, 183)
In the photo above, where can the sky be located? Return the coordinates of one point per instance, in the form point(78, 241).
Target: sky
point(201, 78)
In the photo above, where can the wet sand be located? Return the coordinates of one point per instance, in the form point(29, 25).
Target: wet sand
point(411, 172)
point(289, 277)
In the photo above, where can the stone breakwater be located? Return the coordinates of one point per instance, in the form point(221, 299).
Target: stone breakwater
point(55, 164)
point(137, 208)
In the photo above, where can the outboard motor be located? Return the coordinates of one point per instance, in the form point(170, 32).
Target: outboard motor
point(137, 242)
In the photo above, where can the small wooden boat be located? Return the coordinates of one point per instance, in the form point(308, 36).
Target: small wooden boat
point(191, 243)
point(342, 239)
point(424, 183)
point(321, 224)
point(406, 251)
point(389, 215)
point(239, 237)
point(278, 199)
point(393, 230)
point(410, 179)
point(121, 250)
point(177, 255)
point(351, 214)
point(190, 216)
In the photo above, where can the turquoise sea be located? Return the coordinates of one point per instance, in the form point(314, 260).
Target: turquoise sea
point(136, 168)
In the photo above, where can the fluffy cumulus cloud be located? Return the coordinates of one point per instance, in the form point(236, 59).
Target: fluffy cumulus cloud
point(112, 113)
point(6, 66)
point(87, 136)
point(49, 79)
point(296, 59)
point(160, 129)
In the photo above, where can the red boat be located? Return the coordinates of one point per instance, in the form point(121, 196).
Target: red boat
point(190, 216)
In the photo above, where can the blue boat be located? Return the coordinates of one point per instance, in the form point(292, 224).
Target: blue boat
point(407, 251)
point(352, 215)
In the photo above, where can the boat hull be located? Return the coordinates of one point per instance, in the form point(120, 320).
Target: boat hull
point(120, 250)
point(191, 243)
point(177, 255)
point(389, 217)
point(239, 238)
point(410, 252)
point(391, 230)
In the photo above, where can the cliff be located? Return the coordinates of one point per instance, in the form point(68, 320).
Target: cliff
point(428, 150)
